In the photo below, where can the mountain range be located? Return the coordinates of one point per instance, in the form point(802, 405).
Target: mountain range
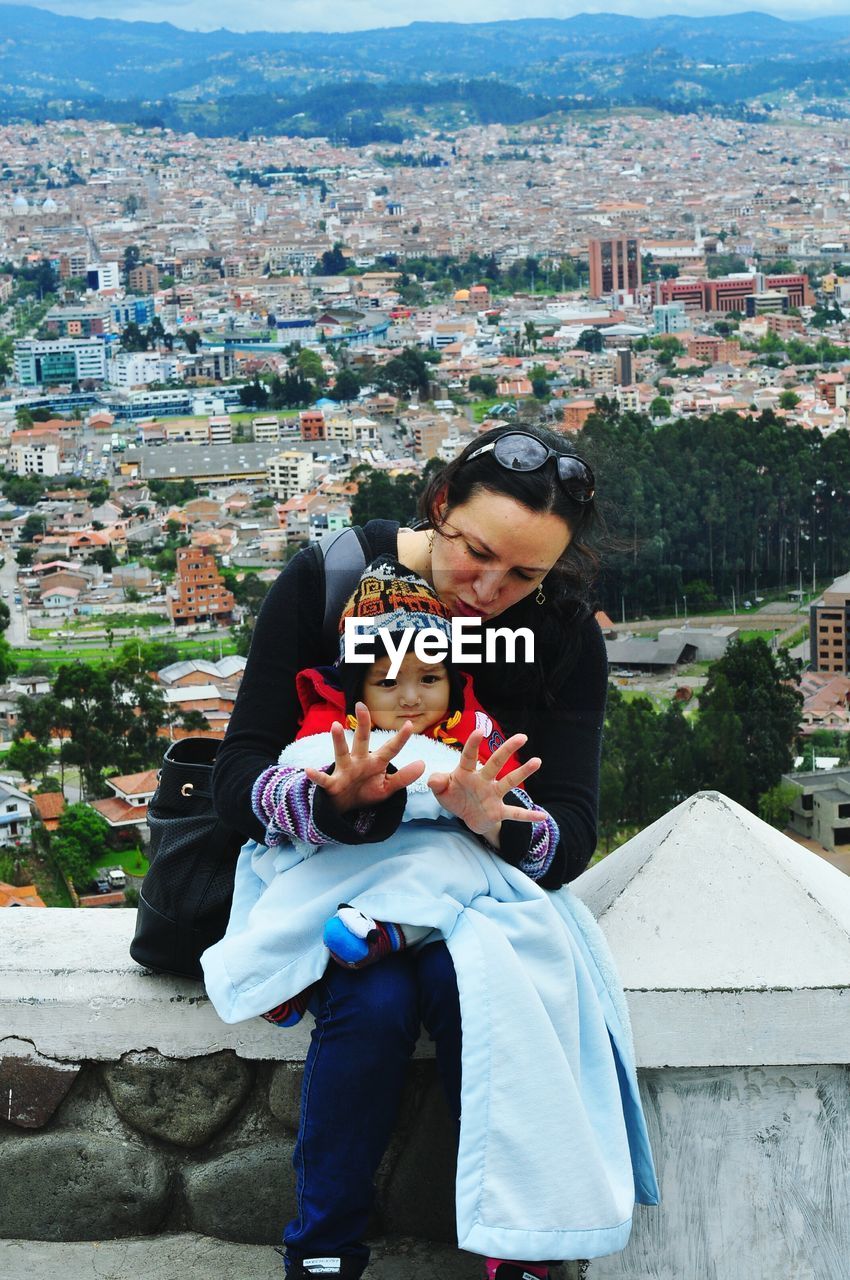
point(388, 82)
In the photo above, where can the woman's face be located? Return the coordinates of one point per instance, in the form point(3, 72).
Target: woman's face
point(491, 552)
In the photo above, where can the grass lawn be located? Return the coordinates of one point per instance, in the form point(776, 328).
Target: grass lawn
point(133, 861)
point(53, 658)
point(481, 408)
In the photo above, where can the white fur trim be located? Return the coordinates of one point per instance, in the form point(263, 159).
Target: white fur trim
point(317, 750)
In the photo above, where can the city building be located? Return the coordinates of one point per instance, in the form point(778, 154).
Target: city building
point(821, 809)
point(312, 423)
point(829, 629)
point(78, 320)
point(198, 593)
point(614, 265)
point(140, 311)
point(102, 275)
point(623, 374)
point(730, 293)
point(266, 430)
point(290, 473)
point(134, 368)
point(832, 388)
point(49, 363)
point(670, 318)
point(221, 429)
point(15, 814)
point(144, 278)
point(36, 458)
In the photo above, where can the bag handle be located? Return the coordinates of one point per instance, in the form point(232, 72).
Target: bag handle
point(344, 560)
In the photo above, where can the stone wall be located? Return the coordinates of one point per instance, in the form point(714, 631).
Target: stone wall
point(98, 1150)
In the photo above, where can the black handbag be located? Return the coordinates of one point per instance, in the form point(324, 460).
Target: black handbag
point(184, 901)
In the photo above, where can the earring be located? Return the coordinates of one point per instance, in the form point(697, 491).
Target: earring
point(431, 534)
point(539, 598)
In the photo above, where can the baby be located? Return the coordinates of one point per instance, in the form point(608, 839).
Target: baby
point(439, 703)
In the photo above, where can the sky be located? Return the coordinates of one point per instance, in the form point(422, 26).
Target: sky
point(354, 15)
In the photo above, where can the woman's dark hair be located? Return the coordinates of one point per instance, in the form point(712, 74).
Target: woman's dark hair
point(569, 585)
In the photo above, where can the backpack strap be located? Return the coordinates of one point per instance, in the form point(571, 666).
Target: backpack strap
point(343, 554)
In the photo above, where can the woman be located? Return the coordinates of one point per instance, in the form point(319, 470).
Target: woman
point(504, 542)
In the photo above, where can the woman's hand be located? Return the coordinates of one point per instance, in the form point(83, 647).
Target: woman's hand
point(360, 779)
point(476, 795)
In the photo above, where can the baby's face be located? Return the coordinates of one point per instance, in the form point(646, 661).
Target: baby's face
point(419, 693)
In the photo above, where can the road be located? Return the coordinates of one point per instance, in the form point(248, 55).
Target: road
point(16, 633)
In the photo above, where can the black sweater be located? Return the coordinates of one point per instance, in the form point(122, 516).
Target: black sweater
point(566, 735)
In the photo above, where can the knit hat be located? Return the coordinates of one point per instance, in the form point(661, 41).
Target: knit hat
point(391, 596)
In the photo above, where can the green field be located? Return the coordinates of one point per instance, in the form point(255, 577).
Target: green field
point(53, 658)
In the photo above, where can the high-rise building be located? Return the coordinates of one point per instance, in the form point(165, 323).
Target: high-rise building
point(829, 629)
point(623, 367)
point(614, 265)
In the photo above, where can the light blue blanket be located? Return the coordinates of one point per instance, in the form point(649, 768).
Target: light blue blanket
point(553, 1146)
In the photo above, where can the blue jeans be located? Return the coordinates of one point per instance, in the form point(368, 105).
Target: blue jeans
point(367, 1024)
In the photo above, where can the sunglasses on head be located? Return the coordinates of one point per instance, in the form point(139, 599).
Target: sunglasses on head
point(519, 451)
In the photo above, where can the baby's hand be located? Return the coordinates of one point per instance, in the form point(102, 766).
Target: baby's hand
point(476, 795)
point(360, 779)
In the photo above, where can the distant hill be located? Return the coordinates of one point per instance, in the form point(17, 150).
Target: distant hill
point(368, 85)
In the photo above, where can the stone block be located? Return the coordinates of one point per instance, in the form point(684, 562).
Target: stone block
point(73, 1186)
point(184, 1102)
point(247, 1194)
point(285, 1093)
point(31, 1085)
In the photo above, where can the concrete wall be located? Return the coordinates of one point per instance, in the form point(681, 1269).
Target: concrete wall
point(126, 1107)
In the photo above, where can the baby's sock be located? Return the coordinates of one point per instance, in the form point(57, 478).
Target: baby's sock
point(291, 1011)
point(355, 940)
point(501, 1269)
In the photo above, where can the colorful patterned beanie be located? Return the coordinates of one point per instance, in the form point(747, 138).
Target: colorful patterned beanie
point(391, 597)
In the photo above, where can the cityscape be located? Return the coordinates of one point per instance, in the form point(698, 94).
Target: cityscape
point(226, 334)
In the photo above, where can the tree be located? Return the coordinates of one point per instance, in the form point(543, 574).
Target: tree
point(132, 338)
point(775, 804)
point(193, 721)
point(660, 407)
point(132, 256)
point(483, 384)
point(191, 340)
point(310, 364)
point(380, 496)
point(27, 757)
point(748, 720)
point(99, 494)
point(106, 558)
point(110, 716)
point(346, 386)
point(80, 841)
point(23, 491)
point(788, 399)
point(721, 754)
point(253, 394)
point(405, 374)
point(332, 262)
point(590, 340)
